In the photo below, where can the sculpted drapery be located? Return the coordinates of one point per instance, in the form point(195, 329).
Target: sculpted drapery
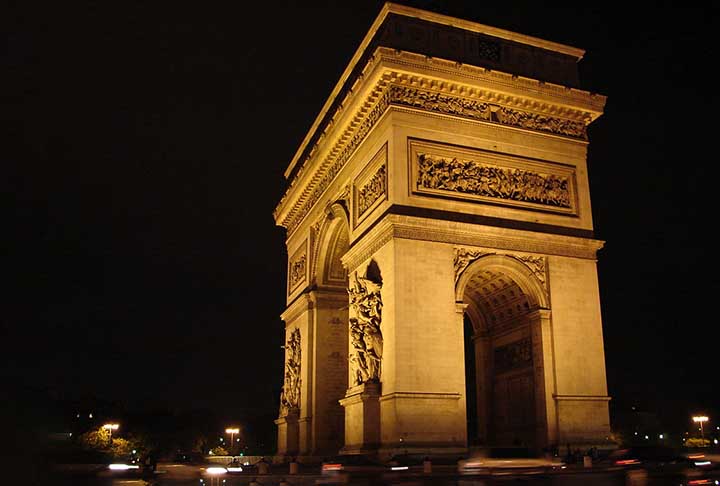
point(365, 334)
point(290, 395)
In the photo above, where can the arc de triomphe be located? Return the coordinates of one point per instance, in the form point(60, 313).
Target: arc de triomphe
point(442, 284)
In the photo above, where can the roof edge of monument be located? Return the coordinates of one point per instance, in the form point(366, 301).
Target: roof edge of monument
point(389, 8)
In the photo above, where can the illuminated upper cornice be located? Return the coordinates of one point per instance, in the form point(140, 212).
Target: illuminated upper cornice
point(401, 80)
point(392, 8)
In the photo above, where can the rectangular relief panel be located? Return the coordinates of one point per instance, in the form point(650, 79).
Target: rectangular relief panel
point(297, 268)
point(473, 175)
point(370, 187)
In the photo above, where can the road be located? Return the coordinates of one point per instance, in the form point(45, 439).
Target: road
point(187, 475)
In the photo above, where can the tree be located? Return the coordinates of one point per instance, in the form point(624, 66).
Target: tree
point(100, 440)
point(218, 451)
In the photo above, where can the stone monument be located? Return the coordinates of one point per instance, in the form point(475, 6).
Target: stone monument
point(440, 203)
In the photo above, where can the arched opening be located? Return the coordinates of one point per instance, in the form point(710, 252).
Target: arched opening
point(332, 242)
point(501, 296)
point(330, 333)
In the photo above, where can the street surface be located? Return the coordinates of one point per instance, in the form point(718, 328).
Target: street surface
point(186, 475)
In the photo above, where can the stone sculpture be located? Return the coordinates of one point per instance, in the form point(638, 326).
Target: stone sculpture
point(290, 395)
point(365, 333)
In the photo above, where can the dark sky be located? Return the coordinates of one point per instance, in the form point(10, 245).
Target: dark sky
point(143, 158)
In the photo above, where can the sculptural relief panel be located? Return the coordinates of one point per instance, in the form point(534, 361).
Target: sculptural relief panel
point(366, 338)
point(297, 268)
point(463, 257)
point(290, 394)
point(487, 177)
point(371, 186)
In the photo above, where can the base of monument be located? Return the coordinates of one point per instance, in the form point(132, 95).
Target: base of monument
point(366, 450)
point(585, 444)
point(431, 451)
point(288, 433)
point(362, 419)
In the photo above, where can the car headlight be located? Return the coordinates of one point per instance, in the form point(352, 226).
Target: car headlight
point(122, 467)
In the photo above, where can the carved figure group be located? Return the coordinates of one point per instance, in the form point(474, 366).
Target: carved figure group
point(297, 271)
point(365, 334)
point(371, 191)
point(290, 394)
point(471, 177)
point(480, 110)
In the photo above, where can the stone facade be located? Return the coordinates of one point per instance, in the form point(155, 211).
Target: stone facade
point(432, 192)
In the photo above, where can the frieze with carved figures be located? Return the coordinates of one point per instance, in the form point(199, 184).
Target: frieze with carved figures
point(297, 268)
point(479, 176)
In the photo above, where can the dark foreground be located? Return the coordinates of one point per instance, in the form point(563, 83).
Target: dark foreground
point(186, 475)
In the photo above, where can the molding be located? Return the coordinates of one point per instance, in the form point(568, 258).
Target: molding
point(303, 303)
point(491, 237)
point(289, 417)
point(461, 308)
point(489, 84)
point(420, 396)
point(364, 392)
point(488, 107)
point(391, 8)
point(487, 238)
point(378, 237)
point(563, 111)
point(332, 296)
point(539, 315)
point(582, 398)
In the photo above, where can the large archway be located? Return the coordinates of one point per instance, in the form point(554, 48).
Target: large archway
point(502, 299)
point(329, 283)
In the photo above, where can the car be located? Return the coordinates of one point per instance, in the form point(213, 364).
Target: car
point(508, 460)
point(339, 469)
point(662, 461)
point(234, 466)
point(406, 462)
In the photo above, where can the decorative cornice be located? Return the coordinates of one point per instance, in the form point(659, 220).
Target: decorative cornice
point(488, 238)
point(527, 104)
point(301, 304)
point(527, 92)
point(420, 396)
point(481, 110)
point(390, 8)
point(368, 246)
point(582, 398)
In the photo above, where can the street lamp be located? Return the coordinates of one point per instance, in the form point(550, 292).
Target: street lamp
point(232, 431)
point(110, 428)
point(700, 419)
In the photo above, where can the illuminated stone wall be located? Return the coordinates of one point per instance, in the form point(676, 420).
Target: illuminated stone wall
point(466, 190)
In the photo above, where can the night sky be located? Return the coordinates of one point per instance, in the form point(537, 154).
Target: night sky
point(143, 157)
